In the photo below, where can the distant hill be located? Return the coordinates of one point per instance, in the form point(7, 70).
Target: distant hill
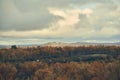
point(4, 46)
point(57, 44)
point(54, 44)
point(61, 44)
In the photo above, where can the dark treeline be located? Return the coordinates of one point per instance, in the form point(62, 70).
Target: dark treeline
point(60, 54)
point(60, 63)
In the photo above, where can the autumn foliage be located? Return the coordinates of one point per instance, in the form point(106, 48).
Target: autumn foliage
point(60, 63)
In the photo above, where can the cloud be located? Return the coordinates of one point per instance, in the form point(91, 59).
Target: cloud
point(24, 15)
point(67, 24)
point(21, 16)
point(85, 19)
point(64, 26)
point(109, 31)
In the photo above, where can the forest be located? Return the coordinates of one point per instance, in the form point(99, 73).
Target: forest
point(60, 63)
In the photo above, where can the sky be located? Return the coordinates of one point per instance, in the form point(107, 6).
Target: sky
point(41, 21)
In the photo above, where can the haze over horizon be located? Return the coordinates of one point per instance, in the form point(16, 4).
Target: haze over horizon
point(42, 21)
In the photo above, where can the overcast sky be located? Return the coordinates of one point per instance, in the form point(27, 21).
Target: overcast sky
point(59, 20)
